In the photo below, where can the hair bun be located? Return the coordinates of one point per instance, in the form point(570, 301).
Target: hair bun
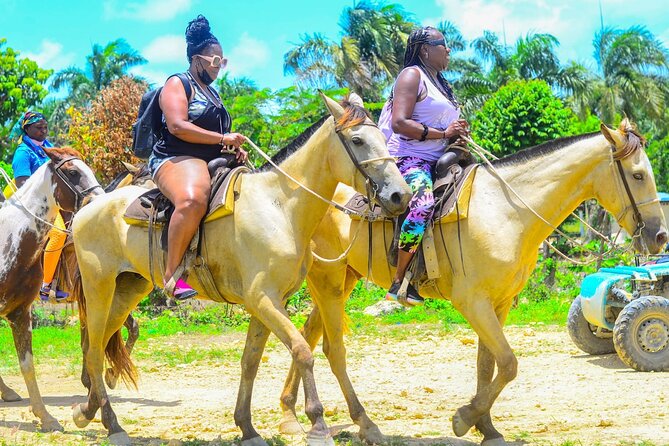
point(198, 30)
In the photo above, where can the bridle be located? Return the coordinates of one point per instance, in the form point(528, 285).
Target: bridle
point(371, 185)
point(617, 158)
point(79, 193)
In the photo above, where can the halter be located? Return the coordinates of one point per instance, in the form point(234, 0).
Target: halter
point(617, 157)
point(371, 185)
point(79, 193)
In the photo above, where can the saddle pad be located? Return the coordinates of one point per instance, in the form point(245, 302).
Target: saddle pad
point(222, 203)
point(448, 212)
point(463, 191)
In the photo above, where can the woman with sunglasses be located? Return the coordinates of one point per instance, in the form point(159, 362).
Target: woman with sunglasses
point(422, 117)
point(196, 130)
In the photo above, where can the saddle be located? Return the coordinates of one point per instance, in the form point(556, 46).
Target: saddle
point(454, 176)
point(153, 210)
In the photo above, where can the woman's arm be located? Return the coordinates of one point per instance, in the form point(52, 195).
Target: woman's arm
point(174, 103)
point(404, 100)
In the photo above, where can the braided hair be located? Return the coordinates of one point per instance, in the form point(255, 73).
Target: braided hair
point(415, 42)
point(198, 37)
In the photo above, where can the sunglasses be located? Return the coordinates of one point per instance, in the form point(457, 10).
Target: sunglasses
point(214, 61)
point(436, 42)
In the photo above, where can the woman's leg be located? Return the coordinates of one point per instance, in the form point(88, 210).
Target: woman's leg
point(54, 247)
point(185, 182)
point(418, 175)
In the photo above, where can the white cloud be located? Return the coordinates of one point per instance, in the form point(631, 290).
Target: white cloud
point(156, 78)
point(148, 10)
point(168, 48)
point(247, 55)
point(51, 56)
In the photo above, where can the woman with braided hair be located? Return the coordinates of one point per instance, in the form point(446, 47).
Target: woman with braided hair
point(196, 129)
point(424, 117)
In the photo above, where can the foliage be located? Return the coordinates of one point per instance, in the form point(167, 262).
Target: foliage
point(103, 66)
point(658, 152)
point(271, 119)
point(102, 133)
point(21, 88)
point(521, 114)
point(632, 75)
point(367, 57)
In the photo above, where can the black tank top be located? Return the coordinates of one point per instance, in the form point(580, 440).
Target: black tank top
point(203, 113)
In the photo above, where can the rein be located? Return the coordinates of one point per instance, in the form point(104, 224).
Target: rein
point(615, 157)
point(79, 194)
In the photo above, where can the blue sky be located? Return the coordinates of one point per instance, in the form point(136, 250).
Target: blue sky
point(256, 33)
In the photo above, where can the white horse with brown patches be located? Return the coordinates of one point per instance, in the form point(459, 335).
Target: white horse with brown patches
point(499, 240)
point(25, 221)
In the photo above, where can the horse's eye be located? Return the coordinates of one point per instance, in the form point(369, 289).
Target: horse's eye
point(638, 176)
point(72, 173)
point(357, 140)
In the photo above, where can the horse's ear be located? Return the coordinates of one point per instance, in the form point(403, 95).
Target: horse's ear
point(355, 99)
point(336, 110)
point(613, 136)
point(52, 154)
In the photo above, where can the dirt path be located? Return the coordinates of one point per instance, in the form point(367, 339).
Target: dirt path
point(410, 383)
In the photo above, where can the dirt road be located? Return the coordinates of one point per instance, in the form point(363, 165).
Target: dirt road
point(411, 383)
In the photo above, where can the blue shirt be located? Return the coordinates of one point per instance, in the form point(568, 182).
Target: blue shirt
point(28, 157)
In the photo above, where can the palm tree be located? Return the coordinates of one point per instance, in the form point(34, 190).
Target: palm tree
point(103, 65)
point(366, 59)
point(632, 76)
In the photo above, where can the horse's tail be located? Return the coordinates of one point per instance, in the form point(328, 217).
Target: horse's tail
point(117, 356)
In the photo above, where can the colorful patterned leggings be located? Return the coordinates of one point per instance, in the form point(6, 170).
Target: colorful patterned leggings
point(418, 175)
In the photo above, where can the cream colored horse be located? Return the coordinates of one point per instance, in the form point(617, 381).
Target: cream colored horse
point(500, 241)
point(258, 257)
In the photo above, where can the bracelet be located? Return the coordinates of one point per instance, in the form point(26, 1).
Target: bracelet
point(423, 137)
point(221, 143)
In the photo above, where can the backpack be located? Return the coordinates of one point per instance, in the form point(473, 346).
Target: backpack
point(146, 130)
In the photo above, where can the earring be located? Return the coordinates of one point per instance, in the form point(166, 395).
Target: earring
point(427, 56)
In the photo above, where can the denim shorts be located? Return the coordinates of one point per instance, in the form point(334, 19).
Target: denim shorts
point(156, 161)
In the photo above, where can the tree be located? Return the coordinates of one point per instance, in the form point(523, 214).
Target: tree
point(495, 64)
point(632, 75)
point(519, 115)
point(21, 88)
point(102, 133)
point(366, 59)
point(103, 66)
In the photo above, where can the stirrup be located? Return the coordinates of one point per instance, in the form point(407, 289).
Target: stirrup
point(179, 289)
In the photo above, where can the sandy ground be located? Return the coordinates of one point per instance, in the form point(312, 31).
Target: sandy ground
point(410, 384)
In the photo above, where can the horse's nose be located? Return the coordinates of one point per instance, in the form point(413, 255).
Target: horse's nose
point(661, 237)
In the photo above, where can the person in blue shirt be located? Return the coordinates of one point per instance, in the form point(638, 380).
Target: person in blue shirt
point(28, 157)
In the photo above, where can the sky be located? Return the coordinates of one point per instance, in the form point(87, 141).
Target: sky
point(255, 34)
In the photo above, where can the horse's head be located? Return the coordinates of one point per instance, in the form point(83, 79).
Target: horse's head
point(364, 156)
point(630, 195)
point(73, 181)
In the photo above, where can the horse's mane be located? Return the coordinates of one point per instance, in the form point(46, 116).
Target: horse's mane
point(353, 115)
point(635, 141)
point(64, 152)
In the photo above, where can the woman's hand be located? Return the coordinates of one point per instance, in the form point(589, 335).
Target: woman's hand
point(241, 156)
point(233, 139)
point(457, 129)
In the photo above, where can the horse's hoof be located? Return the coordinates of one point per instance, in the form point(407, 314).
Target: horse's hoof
point(51, 425)
point(9, 396)
point(111, 379)
point(460, 426)
point(290, 426)
point(79, 418)
point(499, 441)
point(320, 441)
point(255, 441)
point(119, 439)
point(372, 435)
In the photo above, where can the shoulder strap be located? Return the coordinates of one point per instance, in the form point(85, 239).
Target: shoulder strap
point(186, 83)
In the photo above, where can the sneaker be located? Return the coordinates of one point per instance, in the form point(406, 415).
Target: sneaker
point(412, 299)
point(59, 295)
point(183, 291)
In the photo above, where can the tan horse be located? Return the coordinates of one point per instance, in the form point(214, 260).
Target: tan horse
point(258, 257)
point(25, 220)
point(500, 241)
